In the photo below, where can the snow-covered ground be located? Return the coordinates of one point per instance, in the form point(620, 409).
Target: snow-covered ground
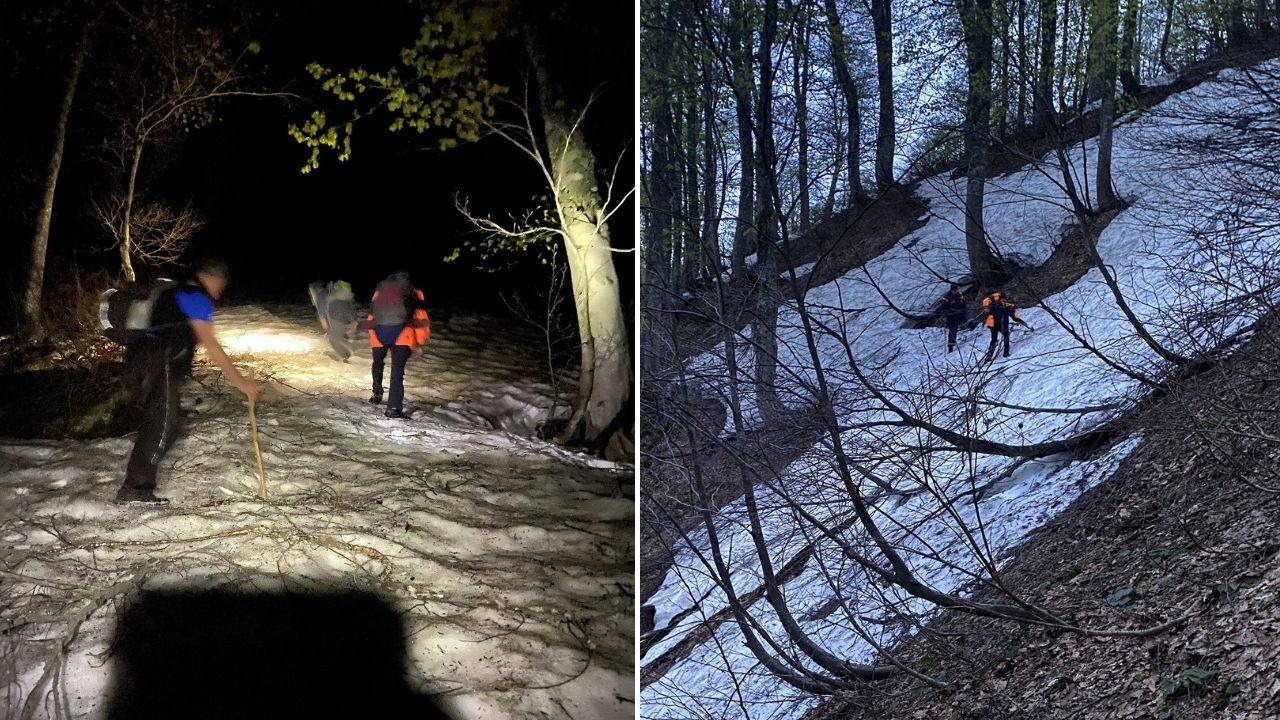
point(1026, 213)
point(509, 560)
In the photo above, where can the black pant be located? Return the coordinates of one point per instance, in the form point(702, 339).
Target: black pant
point(159, 379)
point(953, 327)
point(996, 331)
point(399, 356)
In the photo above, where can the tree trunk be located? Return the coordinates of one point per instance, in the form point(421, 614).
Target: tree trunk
point(694, 252)
point(1262, 17)
point(126, 235)
point(605, 376)
point(1217, 31)
point(841, 60)
point(31, 315)
point(764, 324)
point(1237, 31)
point(1042, 98)
point(711, 207)
point(1001, 96)
point(1104, 39)
point(744, 232)
point(829, 207)
point(1128, 50)
point(1063, 56)
point(886, 130)
point(1024, 72)
point(801, 63)
point(1164, 37)
point(1101, 44)
point(975, 16)
point(660, 185)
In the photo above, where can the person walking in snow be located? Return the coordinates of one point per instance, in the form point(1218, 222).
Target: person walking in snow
point(335, 308)
point(999, 309)
point(954, 313)
point(159, 363)
point(399, 326)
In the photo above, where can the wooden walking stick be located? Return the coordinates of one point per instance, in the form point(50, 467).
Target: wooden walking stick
point(253, 426)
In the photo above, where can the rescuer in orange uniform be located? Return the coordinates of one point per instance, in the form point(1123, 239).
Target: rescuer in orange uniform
point(399, 325)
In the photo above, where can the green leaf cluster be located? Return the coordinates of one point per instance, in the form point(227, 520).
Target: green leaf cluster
point(440, 85)
point(534, 232)
point(1190, 680)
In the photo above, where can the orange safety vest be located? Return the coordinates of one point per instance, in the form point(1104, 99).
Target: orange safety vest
point(994, 299)
point(415, 332)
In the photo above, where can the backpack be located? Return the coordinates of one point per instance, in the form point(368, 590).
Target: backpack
point(391, 302)
point(124, 313)
point(340, 290)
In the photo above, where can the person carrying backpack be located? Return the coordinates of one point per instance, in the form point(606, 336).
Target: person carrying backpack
point(999, 310)
point(160, 333)
point(335, 307)
point(954, 313)
point(399, 325)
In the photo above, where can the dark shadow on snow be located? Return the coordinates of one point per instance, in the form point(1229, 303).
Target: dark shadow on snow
point(230, 655)
point(66, 402)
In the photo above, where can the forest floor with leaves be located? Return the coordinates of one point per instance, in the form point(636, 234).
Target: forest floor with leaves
point(1188, 527)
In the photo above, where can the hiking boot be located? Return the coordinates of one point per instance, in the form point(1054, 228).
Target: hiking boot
point(375, 398)
point(397, 414)
point(139, 496)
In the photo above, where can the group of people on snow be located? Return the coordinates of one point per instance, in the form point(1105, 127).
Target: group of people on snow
point(398, 325)
point(179, 316)
point(999, 311)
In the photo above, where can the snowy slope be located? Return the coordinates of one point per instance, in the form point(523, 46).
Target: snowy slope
point(1026, 213)
point(509, 560)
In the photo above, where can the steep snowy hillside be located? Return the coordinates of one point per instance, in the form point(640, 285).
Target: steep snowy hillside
point(953, 512)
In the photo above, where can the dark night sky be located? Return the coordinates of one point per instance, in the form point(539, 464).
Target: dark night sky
point(389, 206)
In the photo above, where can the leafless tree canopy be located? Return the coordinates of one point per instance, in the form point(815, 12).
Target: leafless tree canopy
point(160, 234)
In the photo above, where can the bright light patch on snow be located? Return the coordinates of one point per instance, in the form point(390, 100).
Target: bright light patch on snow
point(261, 342)
point(509, 560)
point(1026, 213)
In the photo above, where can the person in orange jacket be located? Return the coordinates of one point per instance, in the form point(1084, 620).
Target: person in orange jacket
point(999, 310)
point(399, 325)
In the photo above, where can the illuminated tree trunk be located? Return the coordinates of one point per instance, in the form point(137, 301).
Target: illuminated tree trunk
point(605, 376)
point(126, 236)
point(44, 218)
